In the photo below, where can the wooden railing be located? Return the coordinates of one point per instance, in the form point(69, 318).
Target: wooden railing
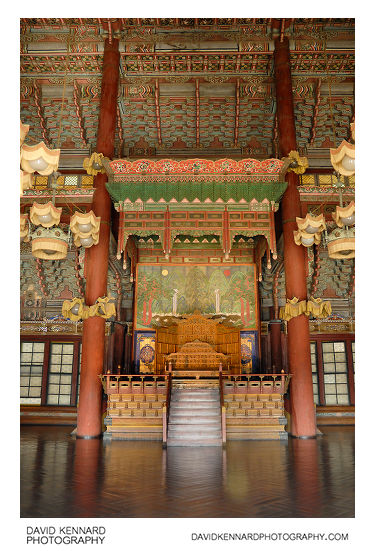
point(261, 383)
point(222, 407)
point(209, 369)
point(257, 383)
point(122, 384)
point(166, 407)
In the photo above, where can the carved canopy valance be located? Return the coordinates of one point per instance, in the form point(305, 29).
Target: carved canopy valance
point(197, 355)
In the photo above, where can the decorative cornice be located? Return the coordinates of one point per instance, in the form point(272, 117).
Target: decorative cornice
point(332, 326)
point(57, 326)
point(145, 167)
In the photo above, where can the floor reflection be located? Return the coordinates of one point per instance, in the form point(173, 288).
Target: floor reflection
point(63, 477)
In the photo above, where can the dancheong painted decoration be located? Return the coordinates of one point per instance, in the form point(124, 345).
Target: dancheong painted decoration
point(166, 291)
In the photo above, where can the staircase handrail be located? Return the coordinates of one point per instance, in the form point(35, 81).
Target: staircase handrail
point(166, 407)
point(222, 407)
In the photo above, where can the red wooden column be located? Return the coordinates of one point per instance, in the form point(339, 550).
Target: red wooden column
point(276, 358)
point(301, 389)
point(96, 261)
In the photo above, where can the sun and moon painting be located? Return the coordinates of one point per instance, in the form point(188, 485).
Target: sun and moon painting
point(181, 290)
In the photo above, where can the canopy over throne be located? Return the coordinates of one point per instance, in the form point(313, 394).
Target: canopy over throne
point(197, 355)
point(198, 343)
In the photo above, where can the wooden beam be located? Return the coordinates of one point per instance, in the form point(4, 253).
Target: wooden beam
point(237, 116)
point(197, 111)
point(275, 137)
point(78, 113)
point(157, 109)
point(316, 111)
point(120, 132)
point(109, 31)
point(282, 30)
point(37, 100)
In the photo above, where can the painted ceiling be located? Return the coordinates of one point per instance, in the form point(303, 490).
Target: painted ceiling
point(188, 87)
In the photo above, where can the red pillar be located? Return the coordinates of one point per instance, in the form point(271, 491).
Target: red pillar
point(276, 359)
point(96, 261)
point(118, 345)
point(301, 389)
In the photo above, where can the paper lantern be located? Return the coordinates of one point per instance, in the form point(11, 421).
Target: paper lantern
point(85, 228)
point(49, 244)
point(38, 158)
point(345, 216)
point(341, 243)
point(311, 224)
point(45, 214)
point(343, 158)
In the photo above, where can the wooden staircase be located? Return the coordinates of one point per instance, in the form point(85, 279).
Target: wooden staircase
point(194, 416)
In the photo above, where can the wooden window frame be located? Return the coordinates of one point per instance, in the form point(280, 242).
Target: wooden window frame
point(47, 340)
point(337, 337)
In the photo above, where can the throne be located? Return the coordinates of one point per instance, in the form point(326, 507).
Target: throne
point(197, 344)
point(197, 356)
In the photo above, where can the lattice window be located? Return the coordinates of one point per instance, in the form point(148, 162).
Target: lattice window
point(59, 385)
point(71, 181)
point(335, 373)
point(32, 356)
point(307, 179)
point(40, 182)
point(314, 369)
point(79, 370)
point(353, 355)
point(87, 181)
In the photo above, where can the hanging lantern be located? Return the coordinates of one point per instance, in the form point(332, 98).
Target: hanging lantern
point(49, 244)
point(345, 216)
point(94, 164)
point(38, 158)
point(104, 308)
point(45, 214)
point(296, 163)
point(24, 228)
point(74, 309)
point(85, 228)
point(343, 158)
point(306, 239)
point(26, 181)
point(341, 243)
point(24, 129)
point(311, 224)
point(318, 308)
point(352, 130)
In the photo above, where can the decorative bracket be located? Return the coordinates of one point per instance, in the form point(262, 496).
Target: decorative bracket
point(317, 307)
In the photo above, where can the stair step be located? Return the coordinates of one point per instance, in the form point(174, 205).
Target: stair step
point(193, 419)
point(195, 442)
point(191, 404)
point(195, 393)
point(194, 412)
point(192, 435)
point(199, 399)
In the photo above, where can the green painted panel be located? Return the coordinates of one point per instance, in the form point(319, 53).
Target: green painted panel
point(168, 290)
point(272, 191)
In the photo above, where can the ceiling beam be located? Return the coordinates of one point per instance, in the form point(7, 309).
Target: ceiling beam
point(157, 109)
point(120, 132)
point(237, 115)
point(79, 113)
point(316, 111)
point(197, 111)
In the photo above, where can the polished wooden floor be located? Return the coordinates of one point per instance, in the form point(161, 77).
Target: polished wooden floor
point(64, 477)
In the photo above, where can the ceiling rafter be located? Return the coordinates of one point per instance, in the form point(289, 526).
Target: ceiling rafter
point(157, 109)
